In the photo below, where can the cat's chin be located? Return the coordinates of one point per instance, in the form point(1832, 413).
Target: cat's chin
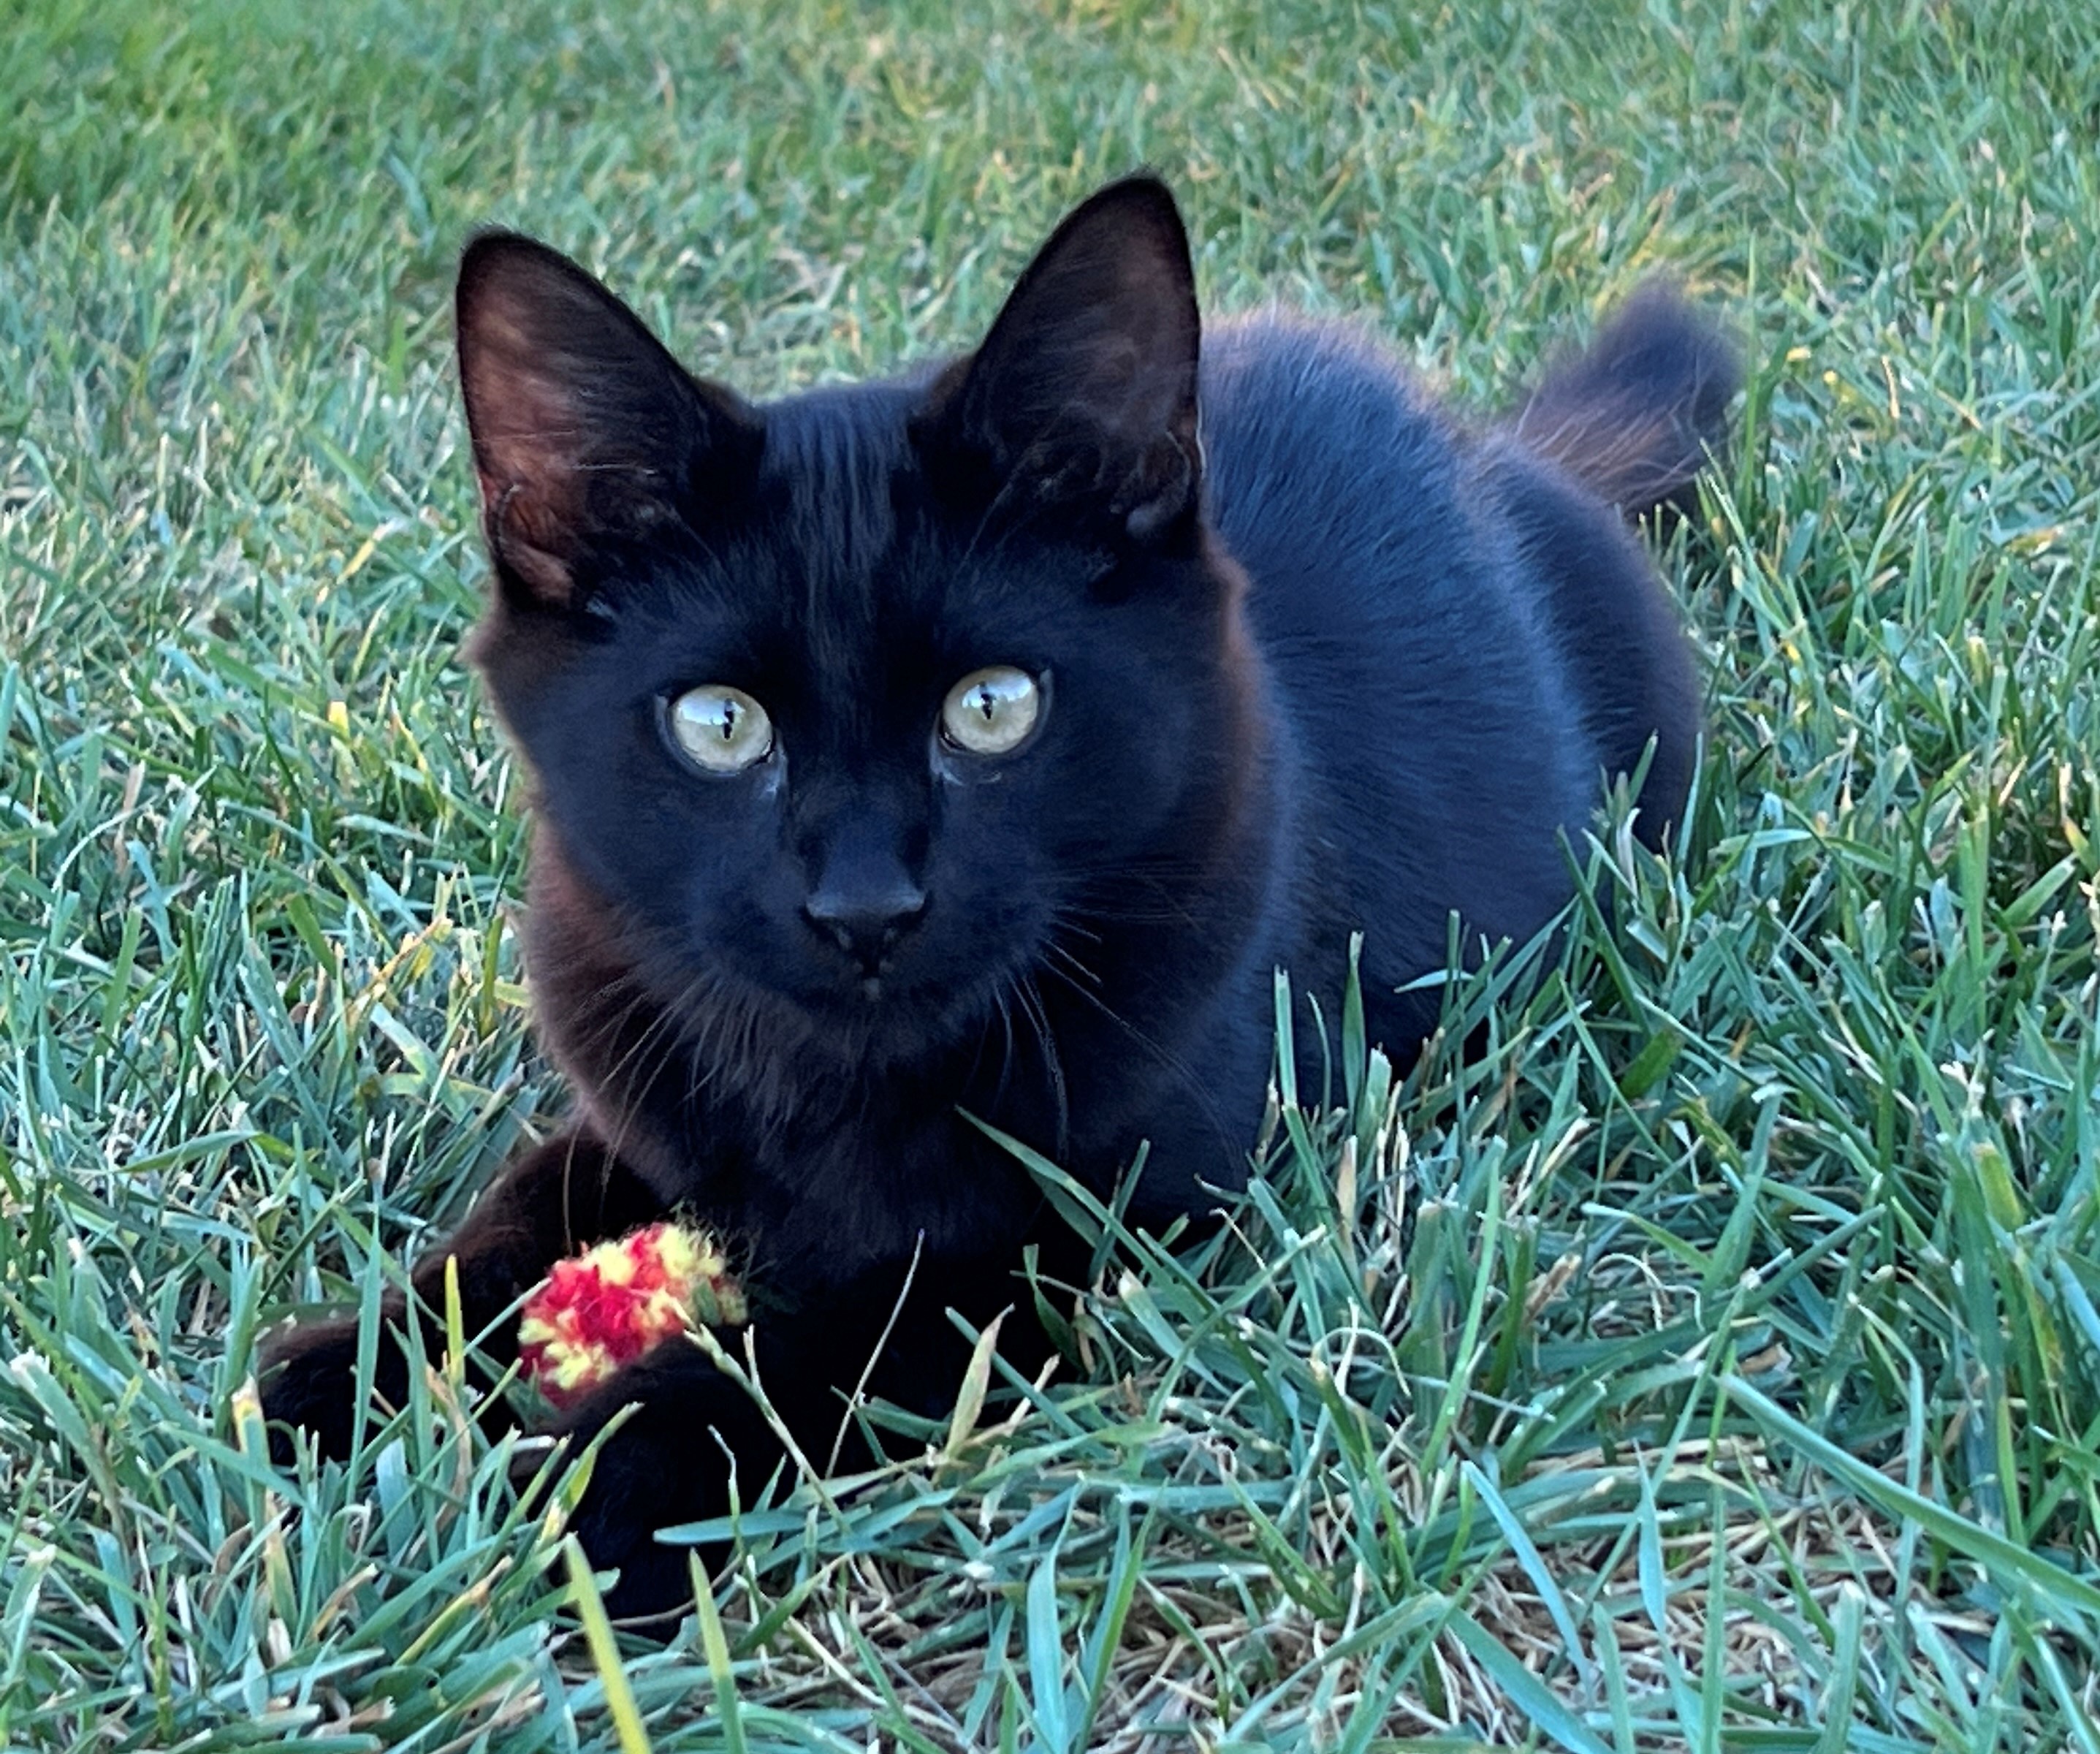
point(882, 1022)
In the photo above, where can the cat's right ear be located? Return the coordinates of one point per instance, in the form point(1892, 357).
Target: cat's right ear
point(1083, 397)
point(587, 434)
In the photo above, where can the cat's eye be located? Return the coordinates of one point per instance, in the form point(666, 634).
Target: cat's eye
point(991, 711)
point(722, 728)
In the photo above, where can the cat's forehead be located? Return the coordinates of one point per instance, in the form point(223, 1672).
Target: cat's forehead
point(864, 558)
point(850, 583)
point(832, 465)
point(841, 520)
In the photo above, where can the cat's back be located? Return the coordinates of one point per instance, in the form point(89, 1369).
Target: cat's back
point(1404, 633)
point(1307, 426)
point(1351, 498)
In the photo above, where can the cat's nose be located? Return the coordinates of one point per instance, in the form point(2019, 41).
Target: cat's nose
point(866, 919)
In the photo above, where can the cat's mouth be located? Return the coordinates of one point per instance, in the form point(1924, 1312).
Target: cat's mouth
point(894, 1015)
point(885, 999)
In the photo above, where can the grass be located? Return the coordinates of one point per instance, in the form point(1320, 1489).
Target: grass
point(1713, 1364)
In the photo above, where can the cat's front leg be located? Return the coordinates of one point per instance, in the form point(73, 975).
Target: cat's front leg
point(689, 1430)
point(561, 1196)
point(692, 1428)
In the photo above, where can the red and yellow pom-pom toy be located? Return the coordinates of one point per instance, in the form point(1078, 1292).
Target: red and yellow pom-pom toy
point(607, 1306)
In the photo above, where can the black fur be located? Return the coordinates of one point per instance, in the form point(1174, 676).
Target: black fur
point(1315, 659)
point(1633, 418)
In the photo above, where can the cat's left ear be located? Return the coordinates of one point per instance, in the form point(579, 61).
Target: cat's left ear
point(587, 433)
point(1084, 392)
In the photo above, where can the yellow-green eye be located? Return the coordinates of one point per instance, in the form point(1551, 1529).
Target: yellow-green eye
point(990, 711)
point(722, 728)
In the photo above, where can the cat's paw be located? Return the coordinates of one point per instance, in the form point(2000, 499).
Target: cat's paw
point(676, 1423)
point(307, 1377)
point(635, 1489)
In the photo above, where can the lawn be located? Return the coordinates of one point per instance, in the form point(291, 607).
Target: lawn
point(1713, 1362)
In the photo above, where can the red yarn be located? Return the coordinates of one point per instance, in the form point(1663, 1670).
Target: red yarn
point(605, 1308)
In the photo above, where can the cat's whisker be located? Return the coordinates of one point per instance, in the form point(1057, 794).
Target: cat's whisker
point(1196, 1086)
point(1037, 1015)
point(1006, 1051)
point(1053, 948)
point(626, 1072)
point(1064, 919)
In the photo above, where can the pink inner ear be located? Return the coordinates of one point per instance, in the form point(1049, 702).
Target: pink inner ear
point(526, 435)
point(525, 539)
point(526, 429)
point(585, 430)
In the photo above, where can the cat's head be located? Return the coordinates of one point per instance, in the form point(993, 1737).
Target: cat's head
point(867, 707)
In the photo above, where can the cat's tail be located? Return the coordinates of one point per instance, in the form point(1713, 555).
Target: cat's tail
point(1637, 417)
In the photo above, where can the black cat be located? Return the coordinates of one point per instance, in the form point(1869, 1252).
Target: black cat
point(979, 742)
